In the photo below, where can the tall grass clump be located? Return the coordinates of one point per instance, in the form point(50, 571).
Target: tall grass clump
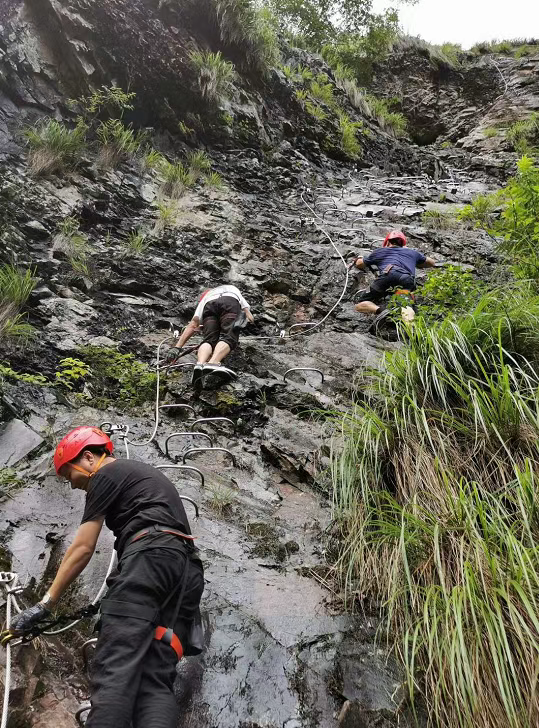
point(436, 497)
point(524, 134)
point(177, 178)
point(215, 74)
point(391, 121)
point(54, 147)
point(349, 141)
point(15, 288)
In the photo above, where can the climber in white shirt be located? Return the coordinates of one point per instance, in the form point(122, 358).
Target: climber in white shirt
point(222, 312)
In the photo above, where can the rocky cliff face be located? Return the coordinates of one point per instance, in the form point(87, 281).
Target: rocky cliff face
point(281, 651)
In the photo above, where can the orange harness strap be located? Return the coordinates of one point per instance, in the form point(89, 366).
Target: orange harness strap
point(166, 635)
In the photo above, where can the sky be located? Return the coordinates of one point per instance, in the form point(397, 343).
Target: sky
point(468, 21)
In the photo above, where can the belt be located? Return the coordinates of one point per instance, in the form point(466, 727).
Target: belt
point(159, 529)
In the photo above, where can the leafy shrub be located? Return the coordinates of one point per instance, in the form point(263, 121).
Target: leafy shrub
point(302, 95)
point(524, 135)
point(449, 291)
point(349, 141)
point(438, 220)
point(118, 379)
point(118, 143)
point(481, 212)
point(215, 74)
point(6, 372)
point(54, 147)
point(109, 99)
point(322, 91)
point(15, 288)
point(71, 373)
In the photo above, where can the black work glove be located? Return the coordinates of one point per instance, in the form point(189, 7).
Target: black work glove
point(171, 355)
point(25, 621)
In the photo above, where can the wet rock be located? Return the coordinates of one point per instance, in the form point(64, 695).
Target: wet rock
point(17, 441)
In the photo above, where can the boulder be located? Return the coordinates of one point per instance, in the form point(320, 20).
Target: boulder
point(17, 441)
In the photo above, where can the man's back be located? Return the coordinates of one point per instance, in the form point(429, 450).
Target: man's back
point(405, 259)
point(133, 495)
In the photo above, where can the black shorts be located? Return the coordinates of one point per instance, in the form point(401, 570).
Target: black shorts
point(218, 320)
point(384, 283)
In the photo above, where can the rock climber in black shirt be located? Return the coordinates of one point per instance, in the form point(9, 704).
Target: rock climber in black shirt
point(133, 670)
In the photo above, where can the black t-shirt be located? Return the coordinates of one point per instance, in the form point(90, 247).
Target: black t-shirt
point(131, 496)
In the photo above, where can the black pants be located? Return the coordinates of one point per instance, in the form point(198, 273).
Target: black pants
point(381, 285)
point(133, 673)
point(218, 319)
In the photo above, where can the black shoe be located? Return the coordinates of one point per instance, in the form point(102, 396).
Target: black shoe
point(198, 373)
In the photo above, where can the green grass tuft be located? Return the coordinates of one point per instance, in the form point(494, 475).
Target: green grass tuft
point(54, 148)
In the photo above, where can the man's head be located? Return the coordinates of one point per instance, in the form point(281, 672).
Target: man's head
point(395, 239)
point(81, 453)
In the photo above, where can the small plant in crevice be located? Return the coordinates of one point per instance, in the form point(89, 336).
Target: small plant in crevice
point(110, 100)
point(16, 286)
point(221, 499)
point(438, 220)
point(151, 160)
point(490, 132)
point(177, 178)
point(54, 147)
point(117, 143)
point(167, 213)
point(136, 243)
point(198, 161)
point(524, 135)
point(9, 481)
point(315, 111)
point(213, 180)
point(71, 373)
point(74, 244)
point(215, 74)
point(349, 141)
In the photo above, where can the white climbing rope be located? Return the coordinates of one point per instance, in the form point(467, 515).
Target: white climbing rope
point(8, 580)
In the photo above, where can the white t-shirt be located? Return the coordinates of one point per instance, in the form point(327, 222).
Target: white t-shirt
point(214, 293)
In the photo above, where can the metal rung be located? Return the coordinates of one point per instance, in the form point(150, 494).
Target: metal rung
point(7, 577)
point(303, 369)
point(210, 449)
point(84, 650)
point(305, 323)
point(179, 406)
point(182, 467)
point(110, 429)
point(185, 434)
point(213, 419)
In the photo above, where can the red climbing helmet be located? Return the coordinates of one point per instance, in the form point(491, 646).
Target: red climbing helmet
point(75, 441)
point(395, 235)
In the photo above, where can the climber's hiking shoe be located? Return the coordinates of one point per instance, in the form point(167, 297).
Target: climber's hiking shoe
point(220, 370)
point(198, 372)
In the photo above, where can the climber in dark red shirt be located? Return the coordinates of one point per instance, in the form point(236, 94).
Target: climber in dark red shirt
point(397, 265)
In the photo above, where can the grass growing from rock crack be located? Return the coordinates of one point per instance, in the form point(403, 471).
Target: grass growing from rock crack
point(15, 288)
point(438, 220)
point(54, 147)
point(215, 74)
point(117, 143)
point(136, 243)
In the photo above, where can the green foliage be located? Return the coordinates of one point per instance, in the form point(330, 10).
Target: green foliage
point(118, 143)
point(136, 243)
point(167, 214)
point(177, 178)
point(490, 132)
point(452, 52)
point(185, 130)
point(316, 111)
point(71, 373)
point(322, 91)
point(525, 50)
point(349, 140)
point(221, 499)
point(450, 291)
point(8, 481)
point(199, 161)
point(391, 121)
point(438, 220)
point(15, 288)
point(74, 244)
point(516, 46)
point(215, 74)
point(109, 99)
point(118, 379)
point(446, 145)
point(152, 159)
point(524, 135)
point(213, 180)
point(6, 372)
point(54, 147)
point(302, 95)
point(481, 212)
point(435, 493)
